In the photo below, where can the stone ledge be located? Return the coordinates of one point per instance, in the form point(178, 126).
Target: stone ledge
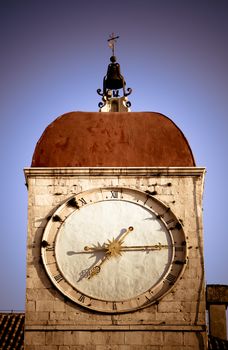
point(170, 328)
point(113, 171)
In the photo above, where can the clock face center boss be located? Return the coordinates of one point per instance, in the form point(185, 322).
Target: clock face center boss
point(114, 249)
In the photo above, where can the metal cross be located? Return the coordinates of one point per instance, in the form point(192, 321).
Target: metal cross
point(111, 42)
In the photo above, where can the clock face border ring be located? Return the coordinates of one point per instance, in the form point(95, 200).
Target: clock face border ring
point(78, 203)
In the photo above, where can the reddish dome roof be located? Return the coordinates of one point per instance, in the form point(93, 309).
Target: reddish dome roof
point(130, 139)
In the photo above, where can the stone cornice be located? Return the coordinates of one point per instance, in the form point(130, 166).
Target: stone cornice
point(112, 171)
point(129, 327)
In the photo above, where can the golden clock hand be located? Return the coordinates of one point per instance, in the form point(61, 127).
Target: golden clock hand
point(114, 246)
point(158, 246)
point(96, 269)
point(121, 239)
point(112, 249)
point(117, 251)
point(106, 246)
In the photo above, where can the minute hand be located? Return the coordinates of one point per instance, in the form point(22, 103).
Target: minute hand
point(158, 246)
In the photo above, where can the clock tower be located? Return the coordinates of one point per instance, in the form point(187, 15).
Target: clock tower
point(115, 241)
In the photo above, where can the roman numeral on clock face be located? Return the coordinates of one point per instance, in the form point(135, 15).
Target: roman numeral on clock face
point(114, 194)
point(83, 201)
point(114, 306)
point(81, 298)
point(58, 278)
point(171, 278)
point(170, 221)
point(50, 248)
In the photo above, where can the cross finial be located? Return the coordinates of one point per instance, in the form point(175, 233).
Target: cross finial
point(111, 42)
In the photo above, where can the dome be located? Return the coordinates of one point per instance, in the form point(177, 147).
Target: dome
point(128, 139)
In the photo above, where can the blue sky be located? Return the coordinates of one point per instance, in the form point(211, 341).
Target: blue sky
point(54, 54)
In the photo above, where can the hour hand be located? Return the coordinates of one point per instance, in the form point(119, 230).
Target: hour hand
point(96, 269)
point(130, 229)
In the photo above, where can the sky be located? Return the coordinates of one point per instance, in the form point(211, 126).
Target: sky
point(53, 57)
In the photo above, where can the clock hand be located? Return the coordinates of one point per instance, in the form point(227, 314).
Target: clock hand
point(110, 245)
point(121, 239)
point(96, 269)
point(158, 246)
point(112, 249)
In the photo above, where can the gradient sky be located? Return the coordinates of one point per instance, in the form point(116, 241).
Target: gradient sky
point(54, 54)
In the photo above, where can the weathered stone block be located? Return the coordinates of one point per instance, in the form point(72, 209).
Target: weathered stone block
point(83, 347)
point(134, 338)
point(153, 338)
point(42, 181)
point(35, 338)
point(84, 338)
point(43, 199)
point(70, 337)
point(107, 347)
point(30, 306)
point(59, 305)
point(58, 317)
point(173, 338)
point(114, 338)
point(44, 305)
point(174, 306)
point(36, 317)
point(54, 338)
point(191, 338)
point(172, 318)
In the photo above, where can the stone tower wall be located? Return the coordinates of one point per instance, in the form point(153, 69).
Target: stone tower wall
point(177, 321)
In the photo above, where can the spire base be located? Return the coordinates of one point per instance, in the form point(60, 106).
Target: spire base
point(115, 104)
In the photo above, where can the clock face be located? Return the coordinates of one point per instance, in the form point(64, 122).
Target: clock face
point(114, 249)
